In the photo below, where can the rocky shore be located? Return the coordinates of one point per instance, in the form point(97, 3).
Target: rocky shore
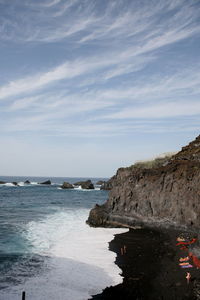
point(150, 267)
point(163, 200)
point(167, 195)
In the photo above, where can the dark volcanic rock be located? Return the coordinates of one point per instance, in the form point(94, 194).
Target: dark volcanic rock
point(107, 185)
point(46, 182)
point(15, 183)
point(67, 185)
point(27, 182)
point(100, 182)
point(2, 182)
point(88, 185)
point(165, 196)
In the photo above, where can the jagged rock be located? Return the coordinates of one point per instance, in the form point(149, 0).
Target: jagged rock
point(88, 185)
point(2, 182)
point(15, 183)
point(67, 185)
point(27, 182)
point(46, 182)
point(164, 196)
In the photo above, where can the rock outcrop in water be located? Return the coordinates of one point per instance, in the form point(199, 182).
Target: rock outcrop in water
point(48, 182)
point(100, 182)
point(107, 185)
point(167, 195)
point(88, 185)
point(27, 182)
point(67, 185)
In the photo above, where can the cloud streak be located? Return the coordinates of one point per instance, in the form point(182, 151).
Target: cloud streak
point(118, 62)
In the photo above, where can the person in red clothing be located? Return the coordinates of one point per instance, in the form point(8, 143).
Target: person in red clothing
point(185, 244)
point(195, 259)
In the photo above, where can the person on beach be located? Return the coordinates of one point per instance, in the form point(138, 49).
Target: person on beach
point(188, 277)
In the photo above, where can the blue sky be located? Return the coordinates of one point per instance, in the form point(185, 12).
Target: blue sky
point(87, 86)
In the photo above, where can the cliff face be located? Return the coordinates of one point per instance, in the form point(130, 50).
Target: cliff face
point(165, 196)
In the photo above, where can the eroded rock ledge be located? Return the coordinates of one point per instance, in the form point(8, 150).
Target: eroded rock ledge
point(168, 195)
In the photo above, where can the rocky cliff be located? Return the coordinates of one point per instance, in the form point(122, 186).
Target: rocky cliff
point(165, 195)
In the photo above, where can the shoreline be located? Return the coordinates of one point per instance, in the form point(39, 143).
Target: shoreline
point(150, 267)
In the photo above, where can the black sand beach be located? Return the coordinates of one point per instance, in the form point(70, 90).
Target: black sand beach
point(150, 268)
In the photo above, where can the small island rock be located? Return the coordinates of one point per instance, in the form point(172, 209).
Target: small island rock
point(46, 182)
point(107, 185)
point(67, 185)
point(27, 182)
point(88, 185)
point(100, 182)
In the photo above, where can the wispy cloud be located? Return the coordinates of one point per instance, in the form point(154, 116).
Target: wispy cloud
point(115, 65)
point(108, 67)
point(91, 21)
point(159, 111)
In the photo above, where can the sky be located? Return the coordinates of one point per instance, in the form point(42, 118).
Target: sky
point(88, 86)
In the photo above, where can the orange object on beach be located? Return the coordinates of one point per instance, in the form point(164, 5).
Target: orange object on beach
point(184, 258)
point(184, 264)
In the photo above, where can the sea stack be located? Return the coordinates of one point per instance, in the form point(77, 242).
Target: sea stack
point(47, 182)
point(67, 185)
point(88, 185)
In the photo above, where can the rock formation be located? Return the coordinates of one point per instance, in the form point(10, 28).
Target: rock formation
point(107, 185)
point(46, 182)
point(100, 182)
point(2, 182)
point(166, 195)
point(67, 185)
point(88, 185)
point(27, 182)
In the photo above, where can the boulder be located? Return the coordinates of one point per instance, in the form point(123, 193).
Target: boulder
point(46, 182)
point(88, 185)
point(2, 182)
point(27, 182)
point(15, 183)
point(67, 185)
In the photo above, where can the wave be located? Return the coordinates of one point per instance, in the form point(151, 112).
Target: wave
point(79, 263)
point(10, 184)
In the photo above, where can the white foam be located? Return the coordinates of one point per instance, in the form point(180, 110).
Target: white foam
point(77, 187)
point(80, 263)
point(9, 184)
point(34, 183)
point(21, 184)
point(85, 190)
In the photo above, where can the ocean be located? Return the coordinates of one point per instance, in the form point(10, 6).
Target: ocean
point(46, 248)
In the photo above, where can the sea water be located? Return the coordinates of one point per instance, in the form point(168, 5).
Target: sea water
point(46, 248)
